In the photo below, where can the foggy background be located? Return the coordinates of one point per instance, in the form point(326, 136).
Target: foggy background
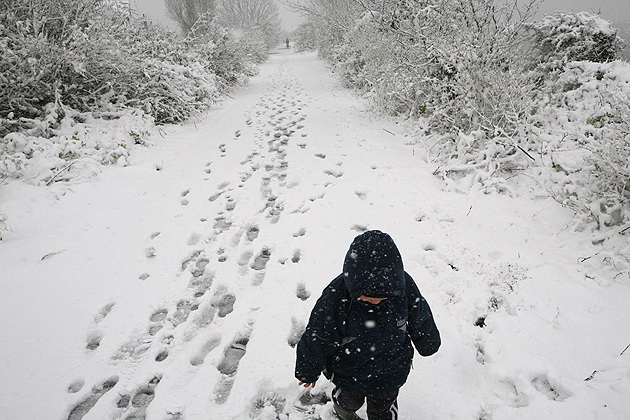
point(616, 11)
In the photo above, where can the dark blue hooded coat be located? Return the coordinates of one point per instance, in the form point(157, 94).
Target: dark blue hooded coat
point(366, 349)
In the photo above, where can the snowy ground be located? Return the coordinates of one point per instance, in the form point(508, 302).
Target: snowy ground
point(176, 287)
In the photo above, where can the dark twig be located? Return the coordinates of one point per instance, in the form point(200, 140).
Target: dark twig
point(65, 168)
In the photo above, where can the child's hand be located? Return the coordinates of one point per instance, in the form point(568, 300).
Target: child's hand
point(305, 385)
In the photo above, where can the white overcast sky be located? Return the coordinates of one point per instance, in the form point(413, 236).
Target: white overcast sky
point(617, 11)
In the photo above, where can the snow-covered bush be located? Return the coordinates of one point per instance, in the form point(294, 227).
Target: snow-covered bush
point(72, 69)
point(582, 123)
point(470, 74)
point(218, 53)
point(106, 60)
point(461, 65)
point(306, 37)
point(564, 37)
point(76, 147)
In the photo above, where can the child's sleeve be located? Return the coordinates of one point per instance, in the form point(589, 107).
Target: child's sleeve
point(319, 340)
point(421, 325)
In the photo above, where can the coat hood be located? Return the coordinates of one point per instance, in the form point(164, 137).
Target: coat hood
point(373, 266)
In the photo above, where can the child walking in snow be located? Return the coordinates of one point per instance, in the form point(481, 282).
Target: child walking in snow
point(360, 331)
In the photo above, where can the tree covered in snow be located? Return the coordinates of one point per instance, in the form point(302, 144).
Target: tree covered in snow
point(186, 13)
point(257, 20)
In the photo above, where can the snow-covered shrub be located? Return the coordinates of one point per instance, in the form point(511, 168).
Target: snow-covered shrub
point(72, 69)
point(105, 59)
point(218, 53)
point(252, 45)
point(582, 123)
point(306, 37)
point(78, 146)
point(460, 65)
point(564, 37)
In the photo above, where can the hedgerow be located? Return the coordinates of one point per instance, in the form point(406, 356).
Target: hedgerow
point(85, 80)
point(493, 93)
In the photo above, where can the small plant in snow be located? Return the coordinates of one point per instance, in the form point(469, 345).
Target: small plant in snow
point(3, 225)
point(138, 136)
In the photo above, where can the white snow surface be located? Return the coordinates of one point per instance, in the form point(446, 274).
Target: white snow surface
point(176, 287)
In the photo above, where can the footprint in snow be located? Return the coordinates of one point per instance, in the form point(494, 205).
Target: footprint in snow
point(295, 334)
point(359, 228)
point(194, 239)
point(85, 405)
point(261, 259)
point(105, 310)
point(190, 258)
point(138, 402)
point(184, 201)
point(182, 311)
point(511, 394)
point(274, 213)
point(223, 301)
point(309, 405)
point(94, 337)
point(76, 386)
point(221, 224)
point(161, 356)
point(335, 174)
point(252, 233)
point(230, 205)
point(200, 284)
point(199, 357)
point(550, 389)
point(150, 252)
point(267, 401)
point(301, 292)
point(245, 257)
point(205, 315)
point(228, 365)
point(481, 353)
point(222, 256)
point(200, 266)
point(156, 321)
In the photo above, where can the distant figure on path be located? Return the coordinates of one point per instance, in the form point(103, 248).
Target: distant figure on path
point(361, 330)
point(287, 41)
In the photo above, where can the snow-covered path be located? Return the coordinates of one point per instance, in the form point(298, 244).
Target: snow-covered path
point(177, 287)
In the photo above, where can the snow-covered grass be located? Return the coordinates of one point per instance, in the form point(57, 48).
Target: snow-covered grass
point(174, 287)
point(77, 149)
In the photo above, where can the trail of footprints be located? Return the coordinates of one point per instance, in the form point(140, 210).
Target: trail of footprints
point(275, 120)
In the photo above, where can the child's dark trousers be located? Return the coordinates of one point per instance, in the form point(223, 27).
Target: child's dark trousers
point(345, 406)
